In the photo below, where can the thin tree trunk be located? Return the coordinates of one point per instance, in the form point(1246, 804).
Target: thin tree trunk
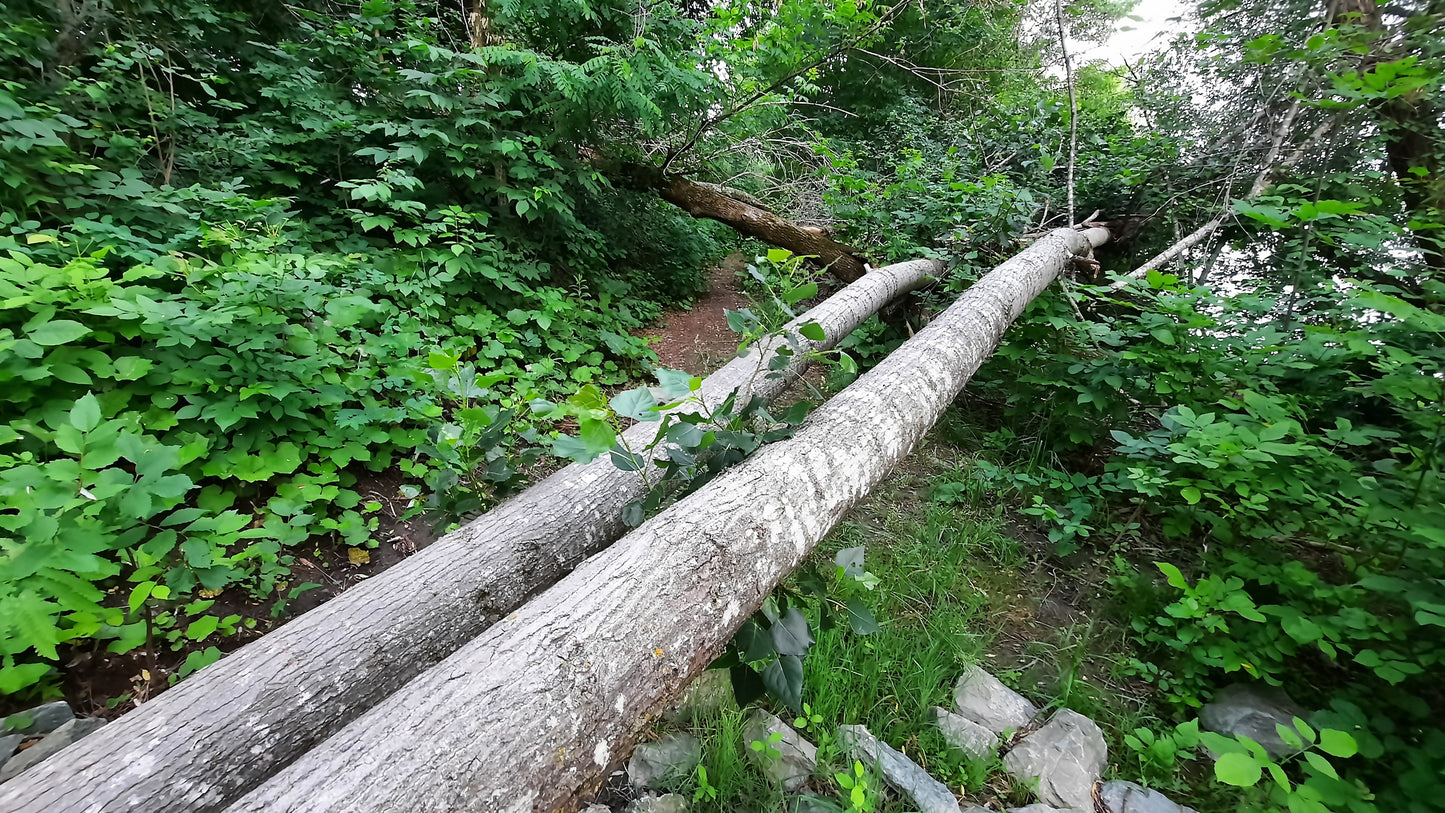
point(743, 213)
point(1073, 102)
point(1261, 183)
point(216, 735)
point(532, 714)
point(1411, 126)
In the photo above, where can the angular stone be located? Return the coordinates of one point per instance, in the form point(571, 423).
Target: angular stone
point(1040, 807)
point(672, 757)
point(928, 794)
point(1066, 757)
point(43, 719)
point(1243, 710)
point(1119, 796)
point(709, 694)
point(795, 759)
point(8, 744)
point(975, 741)
point(808, 804)
point(596, 809)
point(983, 699)
point(667, 803)
point(51, 744)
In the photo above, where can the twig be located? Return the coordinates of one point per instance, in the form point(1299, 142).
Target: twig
point(1073, 102)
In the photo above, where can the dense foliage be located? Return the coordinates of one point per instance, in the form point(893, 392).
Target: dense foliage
point(256, 258)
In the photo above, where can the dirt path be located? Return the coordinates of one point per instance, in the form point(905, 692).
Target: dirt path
point(699, 340)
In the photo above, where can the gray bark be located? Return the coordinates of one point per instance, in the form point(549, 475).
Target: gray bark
point(221, 732)
point(530, 715)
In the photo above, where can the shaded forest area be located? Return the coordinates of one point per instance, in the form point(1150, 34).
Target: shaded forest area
point(280, 282)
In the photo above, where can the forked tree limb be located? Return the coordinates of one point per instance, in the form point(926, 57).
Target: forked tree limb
point(533, 713)
point(203, 743)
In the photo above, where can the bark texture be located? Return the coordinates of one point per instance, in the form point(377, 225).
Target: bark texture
point(530, 715)
point(220, 733)
point(743, 213)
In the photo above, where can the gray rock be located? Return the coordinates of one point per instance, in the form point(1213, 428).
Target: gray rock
point(8, 744)
point(42, 719)
point(975, 741)
point(672, 757)
point(1119, 796)
point(796, 757)
point(596, 809)
point(928, 794)
point(1040, 807)
point(1243, 710)
point(1066, 756)
point(667, 803)
point(981, 698)
point(809, 804)
point(711, 693)
point(51, 744)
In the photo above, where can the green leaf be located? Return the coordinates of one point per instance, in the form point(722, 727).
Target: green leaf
point(60, 331)
point(851, 560)
point(85, 415)
point(812, 330)
point(784, 678)
point(1240, 770)
point(598, 436)
point(1338, 743)
point(674, 383)
point(627, 461)
point(1163, 335)
point(637, 404)
point(860, 618)
point(801, 292)
point(202, 627)
point(790, 633)
point(753, 642)
point(1191, 495)
point(778, 255)
point(1321, 764)
point(1172, 575)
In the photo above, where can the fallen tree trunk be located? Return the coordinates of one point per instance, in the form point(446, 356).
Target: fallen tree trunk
point(715, 203)
point(214, 736)
point(530, 715)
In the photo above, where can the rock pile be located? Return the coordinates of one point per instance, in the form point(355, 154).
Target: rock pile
point(1061, 757)
point(34, 734)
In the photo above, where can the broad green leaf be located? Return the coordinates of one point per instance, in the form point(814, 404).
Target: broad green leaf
point(85, 415)
point(1240, 770)
point(202, 627)
point(798, 293)
point(791, 635)
point(1338, 743)
point(1172, 575)
point(860, 617)
point(851, 561)
point(813, 331)
point(1321, 764)
point(784, 678)
point(59, 331)
point(638, 404)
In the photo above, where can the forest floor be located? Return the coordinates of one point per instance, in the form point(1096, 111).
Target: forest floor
point(698, 340)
